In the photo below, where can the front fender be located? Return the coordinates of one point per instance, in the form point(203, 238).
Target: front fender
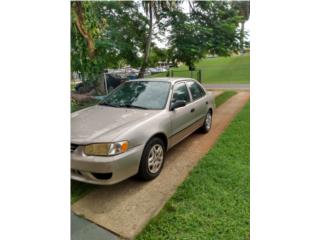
point(141, 132)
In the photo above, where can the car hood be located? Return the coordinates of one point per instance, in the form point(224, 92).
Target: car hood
point(104, 123)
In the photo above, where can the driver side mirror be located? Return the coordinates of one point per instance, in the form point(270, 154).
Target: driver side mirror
point(177, 104)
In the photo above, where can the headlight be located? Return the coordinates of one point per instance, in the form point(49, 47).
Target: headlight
point(118, 147)
point(106, 149)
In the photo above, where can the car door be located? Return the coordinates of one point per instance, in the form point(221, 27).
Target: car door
point(199, 103)
point(181, 117)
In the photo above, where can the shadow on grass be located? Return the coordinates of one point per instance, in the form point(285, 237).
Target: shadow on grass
point(79, 189)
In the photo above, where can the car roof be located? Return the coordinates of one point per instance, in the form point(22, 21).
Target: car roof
point(164, 79)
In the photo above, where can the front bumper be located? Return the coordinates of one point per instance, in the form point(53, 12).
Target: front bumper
point(105, 170)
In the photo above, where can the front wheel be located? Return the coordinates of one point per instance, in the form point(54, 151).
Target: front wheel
point(152, 159)
point(207, 123)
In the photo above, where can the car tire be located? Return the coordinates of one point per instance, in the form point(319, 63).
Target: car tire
point(207, 123)
point(152, 159)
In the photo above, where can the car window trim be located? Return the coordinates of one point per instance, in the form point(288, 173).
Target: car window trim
point(194, 100)
point(180, 81)
point(184, 82)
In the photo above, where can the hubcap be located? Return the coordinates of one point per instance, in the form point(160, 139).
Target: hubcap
point(155, 158)
point(208, 121)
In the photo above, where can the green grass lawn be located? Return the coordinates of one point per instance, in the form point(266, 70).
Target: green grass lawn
point(224, 97)
point(235, 69)
point(79, 190)
point(213, 202)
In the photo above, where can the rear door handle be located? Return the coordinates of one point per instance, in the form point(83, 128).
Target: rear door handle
point(192, 110)
point(206, 102)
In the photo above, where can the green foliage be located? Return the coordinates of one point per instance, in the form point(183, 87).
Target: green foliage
point(117, 30)
point(213, 202)
point(75, 106)
point(153, 9)
point(243, 8)
point(186, 40)
point(157, 55)
point(119, 33)
point(127, 28)
point(221, 22)
point(211, 28)
point(93, 24)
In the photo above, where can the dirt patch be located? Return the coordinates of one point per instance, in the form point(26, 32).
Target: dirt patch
point(125, 208)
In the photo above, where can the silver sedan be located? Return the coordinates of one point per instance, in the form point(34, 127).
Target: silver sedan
point(130, 130)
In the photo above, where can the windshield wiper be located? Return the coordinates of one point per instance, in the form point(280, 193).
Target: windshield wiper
point(107, 104)
point(133, 106)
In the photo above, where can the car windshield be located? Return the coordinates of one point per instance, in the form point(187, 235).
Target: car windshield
point(139, 94)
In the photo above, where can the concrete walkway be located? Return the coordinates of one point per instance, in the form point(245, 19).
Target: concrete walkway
point(228, 86)
point(125, 208)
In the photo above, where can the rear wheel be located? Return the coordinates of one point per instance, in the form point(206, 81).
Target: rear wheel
point(207, 122)
point(152, 159)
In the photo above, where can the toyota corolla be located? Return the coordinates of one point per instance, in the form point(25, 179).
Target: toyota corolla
point(129, 132)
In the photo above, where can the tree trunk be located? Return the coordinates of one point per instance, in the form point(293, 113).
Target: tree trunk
point(148, 44)
point(242, 38)
point(191, 66)
point(78, 9)
point(83, 97)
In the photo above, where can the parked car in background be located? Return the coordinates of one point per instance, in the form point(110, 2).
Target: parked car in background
point(161, 69)
point(130, 130)
point(157, 69)
point(147, 72)
point(152, 70)
point(113, 81)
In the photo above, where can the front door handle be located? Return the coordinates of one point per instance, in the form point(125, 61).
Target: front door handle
point(206, 102)
point(192, 110)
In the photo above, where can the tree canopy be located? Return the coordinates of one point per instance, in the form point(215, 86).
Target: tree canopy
point(243, 8)
point(114, 33)
point(153, 10)
point(106, 34)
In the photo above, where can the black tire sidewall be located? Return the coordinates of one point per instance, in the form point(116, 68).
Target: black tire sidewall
point(203, 128)
point(144, 172)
